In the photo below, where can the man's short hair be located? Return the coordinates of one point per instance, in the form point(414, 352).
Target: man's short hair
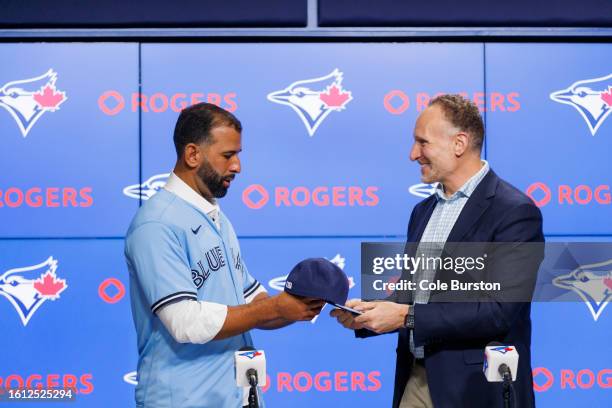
point(464, 115)
point(195, 123)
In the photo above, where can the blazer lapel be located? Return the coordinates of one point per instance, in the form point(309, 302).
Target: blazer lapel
point(476, 205)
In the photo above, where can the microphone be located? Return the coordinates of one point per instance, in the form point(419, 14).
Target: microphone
point(500, 362)
point(500, 365)
point(250, 369)
point(252, 376)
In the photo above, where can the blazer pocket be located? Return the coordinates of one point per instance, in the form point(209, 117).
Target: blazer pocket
point(473, 356)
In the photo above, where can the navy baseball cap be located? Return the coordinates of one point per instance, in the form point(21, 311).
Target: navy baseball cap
point(320, 279)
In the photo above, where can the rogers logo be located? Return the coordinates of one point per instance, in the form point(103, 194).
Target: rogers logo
point(542, 194)
point(82, 384)
point(113, 102)
point(51, 197)
point(397, 101)
point(111, 290)
point(323, 381)
point(257, 196)
point(544, 379)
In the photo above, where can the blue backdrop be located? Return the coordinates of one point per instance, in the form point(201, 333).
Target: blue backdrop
point(327, 134)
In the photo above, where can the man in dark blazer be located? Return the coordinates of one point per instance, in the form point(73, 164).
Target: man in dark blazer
point(441, 344)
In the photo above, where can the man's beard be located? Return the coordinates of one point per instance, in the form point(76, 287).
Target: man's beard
point(213, 180)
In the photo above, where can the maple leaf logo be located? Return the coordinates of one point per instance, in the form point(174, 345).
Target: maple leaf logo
point(48, 98)
point(607, 96)
point(49, 287)
point(335, 98)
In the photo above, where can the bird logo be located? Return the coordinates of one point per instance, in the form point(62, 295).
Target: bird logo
point(593, 283)
point(28, 99)
point(592, 98)
point(502, 349)
point(147, 189)
point(131, 378)
point(423, 190)
point(251, 354)
point(29, 287)
point(314, 99)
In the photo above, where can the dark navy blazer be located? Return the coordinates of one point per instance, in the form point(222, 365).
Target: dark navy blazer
point(455, 334)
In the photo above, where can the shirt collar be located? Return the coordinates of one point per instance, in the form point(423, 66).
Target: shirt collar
point(468, 187)
point(181, 189)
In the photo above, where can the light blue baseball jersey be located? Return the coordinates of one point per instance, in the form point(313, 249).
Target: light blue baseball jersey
point(174, 251)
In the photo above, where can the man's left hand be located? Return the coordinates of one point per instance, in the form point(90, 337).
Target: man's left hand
point(382, 317)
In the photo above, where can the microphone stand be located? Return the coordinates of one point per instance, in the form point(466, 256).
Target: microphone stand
point(504, 370)
point(253, 399)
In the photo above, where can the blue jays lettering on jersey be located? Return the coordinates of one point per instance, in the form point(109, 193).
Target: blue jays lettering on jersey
point(175, 251)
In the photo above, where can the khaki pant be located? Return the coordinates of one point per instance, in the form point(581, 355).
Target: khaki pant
point(416, 393)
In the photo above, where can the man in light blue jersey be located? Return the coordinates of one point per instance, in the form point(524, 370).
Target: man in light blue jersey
point(193, 299)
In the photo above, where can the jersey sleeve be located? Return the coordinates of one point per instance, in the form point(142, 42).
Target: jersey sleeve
point(160, 265)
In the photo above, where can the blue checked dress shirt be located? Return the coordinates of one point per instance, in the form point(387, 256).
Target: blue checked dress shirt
point(436, 232)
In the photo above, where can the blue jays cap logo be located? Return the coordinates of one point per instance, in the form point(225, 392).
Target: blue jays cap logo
point(592, 98)
point(29, 287)
point(502, 349)
point(314, 99)
point(148, 188)
point(593, 283)
point(28, 99)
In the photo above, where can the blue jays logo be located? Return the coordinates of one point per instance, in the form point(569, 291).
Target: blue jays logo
point(29, 287)
point(423, 190)
point(593, 283)
point(592, 98)
point(131, 378)
point(147, 189)
point(314, 99)
point(250, 354)
point(28, 99)
point(502, 349)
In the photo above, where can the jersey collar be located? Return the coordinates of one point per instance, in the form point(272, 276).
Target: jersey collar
point(177, 186)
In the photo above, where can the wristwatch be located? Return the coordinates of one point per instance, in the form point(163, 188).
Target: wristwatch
point(409, 319)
